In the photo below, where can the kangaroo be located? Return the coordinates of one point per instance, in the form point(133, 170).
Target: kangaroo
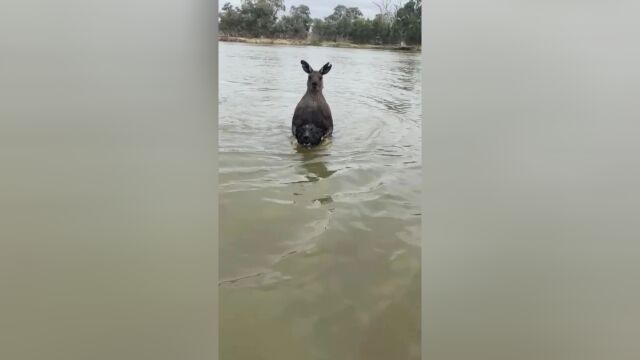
point(312, 121)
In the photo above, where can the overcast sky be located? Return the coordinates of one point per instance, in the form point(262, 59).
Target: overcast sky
point(322, 8)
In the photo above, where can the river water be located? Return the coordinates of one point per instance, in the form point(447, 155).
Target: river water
point(320, 248)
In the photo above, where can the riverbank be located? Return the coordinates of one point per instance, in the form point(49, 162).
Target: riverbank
point(298, 42)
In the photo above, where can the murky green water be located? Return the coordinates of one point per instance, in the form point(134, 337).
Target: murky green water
point(319, 249)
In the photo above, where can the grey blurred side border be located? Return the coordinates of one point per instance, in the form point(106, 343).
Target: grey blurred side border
point(108, 180)
point(531, 173)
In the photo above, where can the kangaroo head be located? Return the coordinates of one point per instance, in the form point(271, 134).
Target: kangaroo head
point(314, 81)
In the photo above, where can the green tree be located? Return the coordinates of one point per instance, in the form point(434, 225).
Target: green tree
point(340, 23)
point(409, 22)
point(362, 31)
point(230, 21)
point(297, 23)
point(262, 15)
point(252, 18)
point(257, 18)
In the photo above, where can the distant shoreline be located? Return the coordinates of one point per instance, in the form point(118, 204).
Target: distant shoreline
point(296, 42)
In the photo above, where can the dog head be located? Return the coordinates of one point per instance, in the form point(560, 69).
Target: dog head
point(309, 135)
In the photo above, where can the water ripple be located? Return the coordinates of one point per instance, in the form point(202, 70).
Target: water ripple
point(281, 200)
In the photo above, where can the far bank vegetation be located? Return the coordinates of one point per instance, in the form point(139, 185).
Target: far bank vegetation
point(396, 26)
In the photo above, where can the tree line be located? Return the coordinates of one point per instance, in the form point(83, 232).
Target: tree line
point(395, 23)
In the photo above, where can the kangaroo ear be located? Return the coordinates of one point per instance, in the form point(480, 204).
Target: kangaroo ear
point(325, 69)
point(306, 67)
